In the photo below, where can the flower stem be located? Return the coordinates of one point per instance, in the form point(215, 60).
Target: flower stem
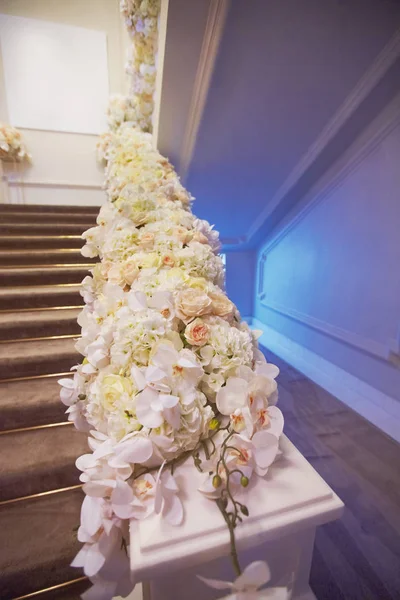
point(231, 527)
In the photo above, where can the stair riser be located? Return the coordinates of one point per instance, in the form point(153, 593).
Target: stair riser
point(73, 257)
point(45, 208)
point(31, 366)
point(48, 470)
point(16, 243)
point(41, 229)
point(51, 412)
point(43, 278)
point(17, 331)
point(31, 402)
point(10, 217)
point(60, 476)
point(64, 298)
point(48, 522)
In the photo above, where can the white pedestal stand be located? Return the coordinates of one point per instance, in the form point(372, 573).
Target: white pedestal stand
point(285, 508)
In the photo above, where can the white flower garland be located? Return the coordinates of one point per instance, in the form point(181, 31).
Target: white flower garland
point(170, 372)
point(12, 147)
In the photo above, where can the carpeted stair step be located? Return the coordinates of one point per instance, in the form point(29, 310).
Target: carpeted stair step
point(42, 228)
point(66, 256)
point(68, 591)
point(31, 402)
point(39, 460)
point(39, 323)
point(41, 296)
point(47, 217)
point(53, 208)
point(38, 543)
point(24, 359)
point(36, 242)
point(47, 275)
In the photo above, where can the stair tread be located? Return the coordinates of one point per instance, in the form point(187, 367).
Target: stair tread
point(43, 242)
point(50, 267)
point(42, 316)
point(37, 290)
point(59, 208)
point(39, 460)
point(37, 228)
point(40, 214)
point(31, 402)
point(72, 591)
point(40, 252)
point(39, 542)
point(39, 323)
point(41, 296)
point(32, 350)
point(40, 357)
point(50, 274)
point(41, 257)
point(40, 237)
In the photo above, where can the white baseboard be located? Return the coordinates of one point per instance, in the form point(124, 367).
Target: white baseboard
point(375, 406)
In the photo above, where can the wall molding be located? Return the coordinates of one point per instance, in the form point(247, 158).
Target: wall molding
point(380, 409)
point(216, 19)
point(366, 345)
point(350, 163)
point(385, 59)
point(162, 36)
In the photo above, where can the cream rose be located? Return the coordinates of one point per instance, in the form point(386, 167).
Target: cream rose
point(181, 234)
point(129, 272)
point(192, 303)
point(147, 240)
point(114, 274)
point(199, 237)
point(168, 260)
point(221, 305)
point(112, 388)
point(197, 332)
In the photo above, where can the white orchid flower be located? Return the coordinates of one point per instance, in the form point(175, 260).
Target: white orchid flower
point(154, 403)
point(245, 399)
point(76, 415)
point(147, 495)
point(258, 453)
point(98, 352)
point(70, 389)
point(87, 290)
point(247, 585)
point(167, 503)
point(92, 237)
point(132, 449)
point(160, 301)
point(180, 366)
point(99, 531)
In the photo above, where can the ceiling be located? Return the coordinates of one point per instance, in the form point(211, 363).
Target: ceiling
point(254, 93)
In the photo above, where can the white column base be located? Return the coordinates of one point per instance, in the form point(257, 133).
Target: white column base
point(285, 508)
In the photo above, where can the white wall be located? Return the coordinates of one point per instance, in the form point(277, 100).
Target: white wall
point(64, 169)
point(328, 281)
point(240, 279)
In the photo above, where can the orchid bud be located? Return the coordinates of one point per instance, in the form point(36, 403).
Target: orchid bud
point(244, 510)
point(244, 481)
point(216, 481)
point(214, 424)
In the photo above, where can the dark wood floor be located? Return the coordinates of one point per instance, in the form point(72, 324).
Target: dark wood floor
point(357, 557)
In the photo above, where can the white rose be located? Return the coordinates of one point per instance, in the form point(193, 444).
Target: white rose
point(192, 303)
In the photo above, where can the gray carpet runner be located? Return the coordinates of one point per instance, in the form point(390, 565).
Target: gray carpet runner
point(40, 497)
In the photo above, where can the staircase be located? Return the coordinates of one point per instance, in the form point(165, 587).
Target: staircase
point(40, 497)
